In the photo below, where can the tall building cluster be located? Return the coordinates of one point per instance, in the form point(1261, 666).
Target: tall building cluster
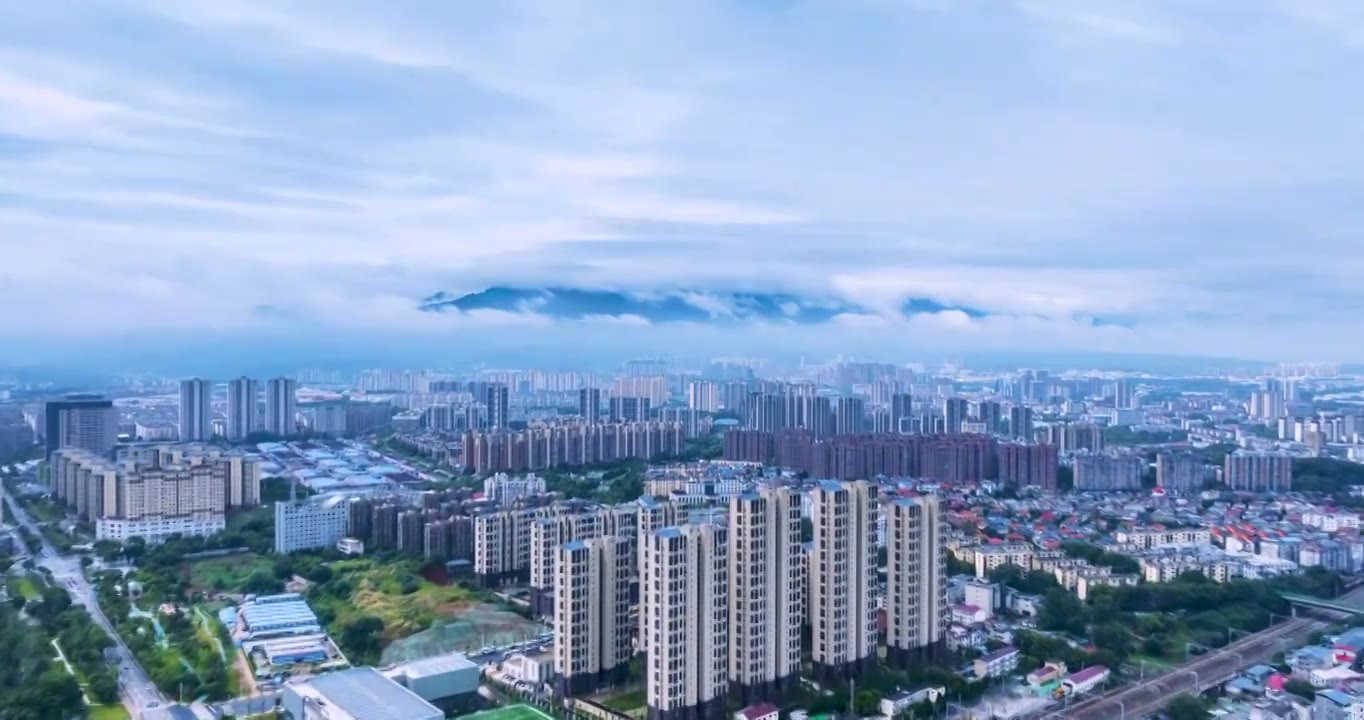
point(246, 413)
point(948, 458)
point(542, 447)
point(155, 491)
point(1258, 472)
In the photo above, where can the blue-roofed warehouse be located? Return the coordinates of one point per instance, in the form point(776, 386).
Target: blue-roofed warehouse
point(274, 615)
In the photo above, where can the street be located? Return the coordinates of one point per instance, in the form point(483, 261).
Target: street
point(139, 694)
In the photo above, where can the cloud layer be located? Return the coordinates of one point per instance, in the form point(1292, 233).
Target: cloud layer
point(1141, 176)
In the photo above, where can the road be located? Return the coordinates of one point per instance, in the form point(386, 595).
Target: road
point(139, 694)
point(1135, 701)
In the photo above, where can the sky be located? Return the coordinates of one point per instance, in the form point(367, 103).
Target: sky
point(885, 175)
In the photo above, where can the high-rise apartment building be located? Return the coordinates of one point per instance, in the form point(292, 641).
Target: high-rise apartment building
point(1258, 472)
point(901, 412)
point(842, 576)
point(703, 396)
point(154, 492)
point(1026, 465)
point(766, 593)
point(309, 524)
point(593, 631)
point(281, 406)
point(1123, 396)
point(850, 418)
point(1109, 471)
point(990, 413)
point(88, 422)
point(196, 410)
point(589, 404)
point(546, 537)
point(1180, 472)
point(1020, 422)
point(916, 581)
point(629, 409)
point(954, 412)
point(243, 408)
point(497, 400)
point(684, 601)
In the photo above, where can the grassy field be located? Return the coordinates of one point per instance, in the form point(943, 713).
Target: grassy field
point(227, 573)
point(30, 586)
point(378, 591)
point(108, 712)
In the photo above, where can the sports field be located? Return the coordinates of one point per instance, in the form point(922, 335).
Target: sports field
point(511, 712)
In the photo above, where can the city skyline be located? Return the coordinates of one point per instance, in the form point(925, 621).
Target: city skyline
point(879, 176)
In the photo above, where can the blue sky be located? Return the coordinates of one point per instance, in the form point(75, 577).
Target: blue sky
point(1034, 174)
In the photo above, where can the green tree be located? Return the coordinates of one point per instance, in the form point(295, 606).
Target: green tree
point(1186, 707)
point(1301, 688)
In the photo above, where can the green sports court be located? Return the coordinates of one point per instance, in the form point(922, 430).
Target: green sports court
point(511, 712)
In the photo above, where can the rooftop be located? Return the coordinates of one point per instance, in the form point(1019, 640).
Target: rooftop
point(364, 693)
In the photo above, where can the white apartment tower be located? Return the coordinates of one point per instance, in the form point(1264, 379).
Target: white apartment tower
point(196, 410)
point(593, 631)
point(684, 593)
point(916, 580)
point(766, 593)
point(703, 396)
point(242, 408)
point(281, 405)
point(842, 575)
point(546, 537)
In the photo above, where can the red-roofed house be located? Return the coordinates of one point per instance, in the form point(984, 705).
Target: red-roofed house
point(763, 711)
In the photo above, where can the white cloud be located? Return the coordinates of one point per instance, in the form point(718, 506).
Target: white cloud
point(1060, 164)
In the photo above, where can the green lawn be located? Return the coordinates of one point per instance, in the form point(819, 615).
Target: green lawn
point(41, 508)
point(30, 586)
point(227, 573)
point(107, 712)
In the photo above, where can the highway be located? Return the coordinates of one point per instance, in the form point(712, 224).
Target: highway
point(139, 694)
point(1137, 700)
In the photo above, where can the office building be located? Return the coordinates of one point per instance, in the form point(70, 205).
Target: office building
point(243, 408)
point(1020, 422)
point(1258, 472)
point(916, 581)
point(1180, 472)
point(281, 406)
point(1109, 471)
point(766, 593)
point(589, 404)
point(842, 576)
point(685, 597)
point(703, 396)
point(87, 422)
point(196, 410)
point(310, 525)
point(593, 631)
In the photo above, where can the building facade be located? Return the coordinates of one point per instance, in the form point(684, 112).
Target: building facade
point(196, 410)
point(842, 575)
point(916, 581)
point(766, 593)
point(593, 631)
point(684, 601)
